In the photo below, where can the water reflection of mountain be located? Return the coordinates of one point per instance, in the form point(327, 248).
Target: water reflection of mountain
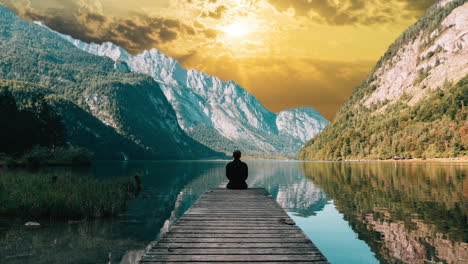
point(406, 213)
point(284, 180)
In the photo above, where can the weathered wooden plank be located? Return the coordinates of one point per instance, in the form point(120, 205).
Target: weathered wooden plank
point(248, 209)
point(186, 235)
point(238, 216)
point(222, 209)
point(236, 205)
point(190, 218)
point(283, 227)
point(238, 258)
point(257, 214)
point(234, 226)
point(234, 197)
point(223, 224)
point(230, 222)
point(235, 245)
point(235, 262)
point(239, 226)
point(215, 211)
point(234, 202)
point(233, 231)
point(233, 251)
point(231, 209)
point(234, 240)
point(246, 217)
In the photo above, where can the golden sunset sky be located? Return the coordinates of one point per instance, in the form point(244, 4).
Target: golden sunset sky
point(288, 53)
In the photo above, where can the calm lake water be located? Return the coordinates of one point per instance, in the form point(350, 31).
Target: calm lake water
point(357, 212)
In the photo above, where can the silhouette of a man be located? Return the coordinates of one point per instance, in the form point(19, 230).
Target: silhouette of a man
point(237, 172)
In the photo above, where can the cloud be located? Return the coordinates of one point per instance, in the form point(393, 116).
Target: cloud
point(93, 17)
point(418, 5)
point(348, 12)
point(217, 13)
point(135, 32)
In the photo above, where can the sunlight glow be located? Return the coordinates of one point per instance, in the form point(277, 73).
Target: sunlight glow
point(236, 30)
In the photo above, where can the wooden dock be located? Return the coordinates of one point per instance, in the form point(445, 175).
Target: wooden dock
point(234, 226)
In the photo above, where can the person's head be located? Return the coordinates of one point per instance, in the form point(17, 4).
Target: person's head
point(236, 154)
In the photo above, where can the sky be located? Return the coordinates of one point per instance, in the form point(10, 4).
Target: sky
point(287, 53)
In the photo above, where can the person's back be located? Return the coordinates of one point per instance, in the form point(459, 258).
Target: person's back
point(237, 172)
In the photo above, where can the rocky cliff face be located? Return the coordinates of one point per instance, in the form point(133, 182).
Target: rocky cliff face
point(206, 105)
point(424, 64)
point(131, 107)
point(413, 102)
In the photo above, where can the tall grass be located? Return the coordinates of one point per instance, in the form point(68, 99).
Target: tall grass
point(60, 196)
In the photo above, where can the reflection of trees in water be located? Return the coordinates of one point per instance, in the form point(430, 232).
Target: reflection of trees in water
point(88, 242)
point(411, 213)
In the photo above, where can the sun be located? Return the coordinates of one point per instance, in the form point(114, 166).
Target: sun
point(236, 30)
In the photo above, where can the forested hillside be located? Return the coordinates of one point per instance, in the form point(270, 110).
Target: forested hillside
point(413, 104)
point(33, 133)
point(69, 126)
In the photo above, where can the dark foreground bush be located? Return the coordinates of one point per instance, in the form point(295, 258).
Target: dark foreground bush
point(60, 196)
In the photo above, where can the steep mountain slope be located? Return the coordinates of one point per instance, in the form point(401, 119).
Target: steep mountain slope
point(80, 127)
point(413, 103)
point(221, 115)
point(132, 105)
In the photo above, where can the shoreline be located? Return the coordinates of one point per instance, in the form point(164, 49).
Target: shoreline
point(439, 160)
point(5, 164)
point(17, 164)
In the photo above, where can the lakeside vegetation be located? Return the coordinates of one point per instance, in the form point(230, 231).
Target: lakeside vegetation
point(60, 196)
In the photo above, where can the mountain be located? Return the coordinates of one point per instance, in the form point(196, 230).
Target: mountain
point(413, 103)
point(221, 115)
point(76, 126)
point(106, 108)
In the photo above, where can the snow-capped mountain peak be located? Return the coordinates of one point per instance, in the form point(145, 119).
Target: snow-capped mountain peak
point(221, 115)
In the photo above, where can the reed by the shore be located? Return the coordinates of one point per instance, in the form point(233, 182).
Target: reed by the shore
point(60, 196)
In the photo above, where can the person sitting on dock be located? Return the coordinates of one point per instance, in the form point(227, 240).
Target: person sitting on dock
point(237, 172)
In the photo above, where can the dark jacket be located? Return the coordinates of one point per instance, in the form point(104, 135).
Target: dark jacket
point(237, 172)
